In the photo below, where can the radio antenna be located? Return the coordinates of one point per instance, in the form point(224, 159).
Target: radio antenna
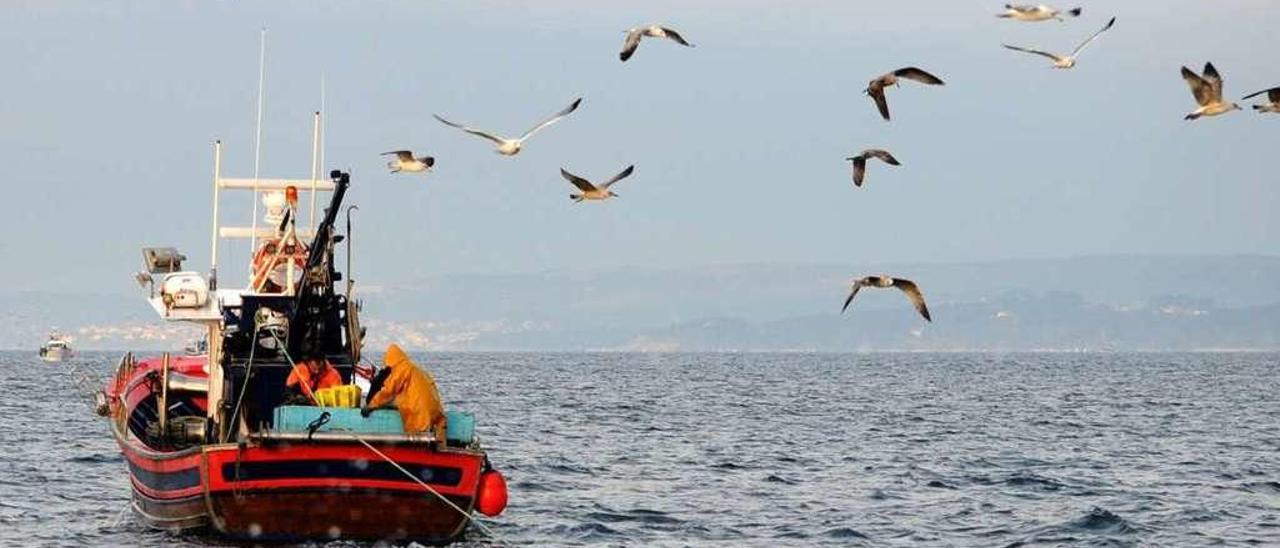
point(318, 158)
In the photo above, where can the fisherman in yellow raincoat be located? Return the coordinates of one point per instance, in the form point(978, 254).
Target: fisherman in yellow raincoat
point(413, 391)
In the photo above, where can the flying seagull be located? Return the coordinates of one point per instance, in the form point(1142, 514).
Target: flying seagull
point(1040, 12)
point(404, 161)
point(876, 87)
point(1273, 100)
point(511, 147)
point(860, 162)
point(594, 192)
point(1066, 61)
point(653, 31)
point(907, 286)
point(1208, 92)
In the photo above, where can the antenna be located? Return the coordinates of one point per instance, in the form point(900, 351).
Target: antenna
point(323, 121)
point(257, 141)
point(315, 146)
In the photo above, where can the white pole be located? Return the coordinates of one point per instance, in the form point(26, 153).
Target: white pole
point(323, 121)
point(213, 253)
point(315, 158)
point(257, 141)
point(214, 334)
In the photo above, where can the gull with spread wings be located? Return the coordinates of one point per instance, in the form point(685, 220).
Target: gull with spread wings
point(1207, 90)
point(875, 88)
point(1039, 12)
point(653, 31)
point(404, 161)
point(860, 162)
point(595, 192)
point(1065, 61)
point(906, 286)
point(511, 147)
point(1273, 100)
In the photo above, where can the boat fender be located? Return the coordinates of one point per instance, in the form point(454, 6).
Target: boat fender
point(491, 499)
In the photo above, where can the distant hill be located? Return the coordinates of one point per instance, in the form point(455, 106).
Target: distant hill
point(1094, 302)
point(646, 295)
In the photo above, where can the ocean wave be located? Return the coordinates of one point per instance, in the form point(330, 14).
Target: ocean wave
point(1100, 520)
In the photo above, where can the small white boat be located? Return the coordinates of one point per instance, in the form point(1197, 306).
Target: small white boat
point(197, 347)
point(55, 349)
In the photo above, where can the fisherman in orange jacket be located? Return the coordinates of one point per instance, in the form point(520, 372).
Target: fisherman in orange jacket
point(313, 374)
point(413, 391)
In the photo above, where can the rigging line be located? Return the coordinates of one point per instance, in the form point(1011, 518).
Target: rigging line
point(86, 383)
point(248, 371)
point(466, 515)
point(293, 366)
point(119, 517)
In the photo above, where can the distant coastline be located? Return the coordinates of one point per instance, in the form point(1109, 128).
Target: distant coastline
point(1097, 303)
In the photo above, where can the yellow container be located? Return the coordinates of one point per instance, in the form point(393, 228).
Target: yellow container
point(347, 395)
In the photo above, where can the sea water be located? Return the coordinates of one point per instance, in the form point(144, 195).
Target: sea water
point(773, 450)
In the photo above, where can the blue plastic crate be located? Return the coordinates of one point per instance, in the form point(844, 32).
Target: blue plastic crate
point(295, 418)
point(460, 426)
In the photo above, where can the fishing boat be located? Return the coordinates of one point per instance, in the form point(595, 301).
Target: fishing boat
point(197, 347)
point(56, 348)
point(210, 442)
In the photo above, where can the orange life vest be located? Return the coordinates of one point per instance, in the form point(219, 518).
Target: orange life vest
point(327, 378)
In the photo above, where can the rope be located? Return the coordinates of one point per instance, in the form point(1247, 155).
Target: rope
point(119, 517)
point(248, 371)
point(424, 485)
point(314, 425)
point(294, 367)
point(87, 383)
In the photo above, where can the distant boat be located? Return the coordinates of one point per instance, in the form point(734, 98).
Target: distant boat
point(56, 349)
point(198, 347)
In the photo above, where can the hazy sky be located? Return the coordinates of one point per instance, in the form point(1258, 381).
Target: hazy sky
point(109, 109)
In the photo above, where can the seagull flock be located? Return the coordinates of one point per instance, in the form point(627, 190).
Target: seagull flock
point(1206, 88)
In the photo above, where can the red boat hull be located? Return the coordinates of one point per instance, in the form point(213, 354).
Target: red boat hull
point(339, 491)
point(290, 491)
point(168, 486)
point(168, 489)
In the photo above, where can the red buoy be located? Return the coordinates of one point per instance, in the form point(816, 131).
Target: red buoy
point(491, 500)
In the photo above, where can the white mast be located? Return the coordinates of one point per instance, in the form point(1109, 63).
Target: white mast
point(217, 178)
point(315, 165)
point(320, 162)
point(257, 141)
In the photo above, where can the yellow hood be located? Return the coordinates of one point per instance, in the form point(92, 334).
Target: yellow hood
point(414, 392)
point(394, 356)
